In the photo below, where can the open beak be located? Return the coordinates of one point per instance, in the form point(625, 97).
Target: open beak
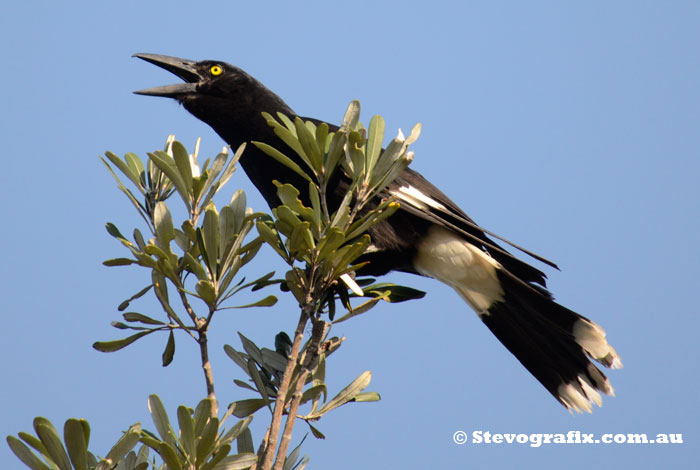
point(183, 68)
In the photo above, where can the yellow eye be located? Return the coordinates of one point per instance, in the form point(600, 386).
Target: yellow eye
point(216, 70)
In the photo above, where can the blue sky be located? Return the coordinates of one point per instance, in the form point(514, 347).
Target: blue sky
point(571, 129)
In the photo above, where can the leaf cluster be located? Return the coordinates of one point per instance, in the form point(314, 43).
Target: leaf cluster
point(328, 237)
point(202, 443)
point(211, 249)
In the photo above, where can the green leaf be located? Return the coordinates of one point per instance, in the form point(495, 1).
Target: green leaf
point(342, 214)
point(301, 240)
point(34, 443)
point(334, 238)
point(242, 384)
point(396, 293)
point(352, 114)
point(49, 437)
point(125, 444)
point(221, 453)
point(160, 419)
point(268, 301)
point(77, 446)
point(114, 231)
point(286, 215)
point(315, 204)
point(169, 456)
point(163, 221)
point(243, 408)
point(210, 234)
point(187, 435)
point(317, 434)
point(128, 171)
point(125, 304)
point(116, 345)
point(353, 149)
point(245, 442)
point(251, 348)
point(206, 292)
point(196, 267)
point(239, 461)
point(216, 167)
point(135, 164)
point(167, 165)
point(207, 439)
point(202, 415)
point(118, 262)
point(137, 317)
point(374, 141)
point(289, 136)
point(322, 136)
point(23, 453)
point(283, 159)
point(359, 310)
point(169, 351)
point(236, 357)
point(312, 393)
point(255, 375)
point(289, 196)
point(308, 143)
point(182, 161)
point(291, 462)
point(376, 216)
point(346, 394)
point(271, 237)
point(274, 360)
point(367, 397)
point(237, 429)
point(344, 257)
point(335, 153)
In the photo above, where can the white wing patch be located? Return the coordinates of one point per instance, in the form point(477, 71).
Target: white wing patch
point(416, 198)
point(447, 257)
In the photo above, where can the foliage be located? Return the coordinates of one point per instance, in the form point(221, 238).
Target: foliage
point(322, 239)
point(213, 251)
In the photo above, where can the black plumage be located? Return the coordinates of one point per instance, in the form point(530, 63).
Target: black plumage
point(429, 235)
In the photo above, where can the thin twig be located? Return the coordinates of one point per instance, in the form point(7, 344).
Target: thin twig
point(317, 334)
point(203, 328)
point(291, 418)
point(208, 376)
point(269, 452)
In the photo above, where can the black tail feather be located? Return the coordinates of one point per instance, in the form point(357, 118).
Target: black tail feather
point(549, 340)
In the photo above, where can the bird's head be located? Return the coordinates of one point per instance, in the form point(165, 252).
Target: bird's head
point(220, 94)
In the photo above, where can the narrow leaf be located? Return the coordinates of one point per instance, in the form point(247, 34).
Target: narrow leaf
point(160, 419)
point(268, 301)
point(111, 346)
point(283, 159)
point(243, 408)
point(239, 461)
point(49, 437)
point(169, 351)
point(125, 444)
point(77, 446)
point(23, 453)
point(187, 435)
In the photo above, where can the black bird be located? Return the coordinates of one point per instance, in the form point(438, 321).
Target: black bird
point(429, 235)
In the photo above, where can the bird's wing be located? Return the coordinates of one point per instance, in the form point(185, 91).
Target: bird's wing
point(421, 198)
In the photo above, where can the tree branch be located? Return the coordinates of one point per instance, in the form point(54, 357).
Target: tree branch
point(319, 330)
point(202, 326)
point(269, 452)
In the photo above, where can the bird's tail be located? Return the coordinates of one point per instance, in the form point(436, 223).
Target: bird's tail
point(554, 343)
